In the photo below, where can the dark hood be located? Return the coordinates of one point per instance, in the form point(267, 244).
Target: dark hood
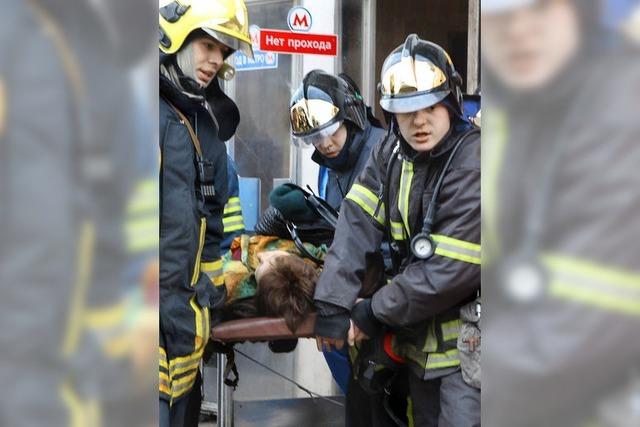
point(350, 152)
point(224, 109)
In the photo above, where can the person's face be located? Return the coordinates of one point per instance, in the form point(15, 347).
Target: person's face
point(266, 260)
point(424, 129)
point(331, 146)
point(208, 56)
point(528, 47)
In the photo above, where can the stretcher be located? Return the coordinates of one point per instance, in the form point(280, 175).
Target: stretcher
point(257, 329)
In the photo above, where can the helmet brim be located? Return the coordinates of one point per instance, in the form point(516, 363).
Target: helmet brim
point(413, 102)
point(232, 42)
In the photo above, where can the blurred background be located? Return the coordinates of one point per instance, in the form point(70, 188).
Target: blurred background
point(78, 213)
point(561, 195)
point(561, 192)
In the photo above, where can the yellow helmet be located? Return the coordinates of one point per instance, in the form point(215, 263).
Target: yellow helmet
point(225, 20)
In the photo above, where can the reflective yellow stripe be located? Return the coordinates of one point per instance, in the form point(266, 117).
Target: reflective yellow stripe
point(451, 330)
point(233, 223)
point(367, 200)
point(183, 385)
point(118, 346)
point(397, 230)
point(431, 341)
point(162, 358)
point(106, 317)
point(82, 414)
point(147, 224)
point(93, 411)
point(74, 405)
point(411, 422)
point(213, 268)
point(146, 243)
point(457, 249)
point(233, 205)
point(185, 366)
point(592, 284)
point(196, 268)
point(443, 360)
point(234, 228)
point(145, 198)
point(180, 365)
point(214, 271)
point(84, 268)
point(164, 383)
point(494, 142)
point(405, 189)
point(143, 233)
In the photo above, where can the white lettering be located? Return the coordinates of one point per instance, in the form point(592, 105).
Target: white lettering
point(274, 41)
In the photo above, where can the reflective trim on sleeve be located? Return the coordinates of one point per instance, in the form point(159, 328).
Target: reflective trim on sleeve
point(457, 249)
point(233, 205)
point(368, 201)
point(142, 224)
point(233, 223)
point(105, 317)
point(405, 190)
point(162, 358)
point(591, 284)
point(214, 271)
point(451, 330)
point(183, 370)
point(183, 385)
point(164, 384)
point(443, 360)
point(145, 198)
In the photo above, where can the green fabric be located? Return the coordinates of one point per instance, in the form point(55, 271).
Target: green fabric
point(291, 203)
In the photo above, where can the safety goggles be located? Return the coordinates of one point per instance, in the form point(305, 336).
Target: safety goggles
point(309, 115)
point(318, 137)
point(411, 75)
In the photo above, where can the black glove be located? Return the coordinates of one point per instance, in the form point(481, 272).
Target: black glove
point(362, 315)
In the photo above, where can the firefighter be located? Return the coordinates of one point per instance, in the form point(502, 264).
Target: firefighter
point(328, 113)
point(560, 219)
point(421, 187)
point(196, 117)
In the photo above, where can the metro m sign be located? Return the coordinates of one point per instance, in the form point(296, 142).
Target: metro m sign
point(299, 19)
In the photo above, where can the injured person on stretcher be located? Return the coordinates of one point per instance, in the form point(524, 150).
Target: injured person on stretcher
point(267, 276)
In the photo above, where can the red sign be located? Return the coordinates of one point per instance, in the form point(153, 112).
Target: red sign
point(290, 42)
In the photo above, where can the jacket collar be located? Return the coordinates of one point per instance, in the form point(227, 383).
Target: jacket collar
point(456, 130)
point(353, 147)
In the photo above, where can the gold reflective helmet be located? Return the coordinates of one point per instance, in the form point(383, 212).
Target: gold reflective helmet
point(417, 75)
point(321, 104)
point(225, 20)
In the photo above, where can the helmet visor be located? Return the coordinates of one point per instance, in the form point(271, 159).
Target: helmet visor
point(318, 137)
point(411, 75)
point(311, 115)
point(232, 42)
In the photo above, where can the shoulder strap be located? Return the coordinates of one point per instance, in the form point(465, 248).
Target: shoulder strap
point(187, 123)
